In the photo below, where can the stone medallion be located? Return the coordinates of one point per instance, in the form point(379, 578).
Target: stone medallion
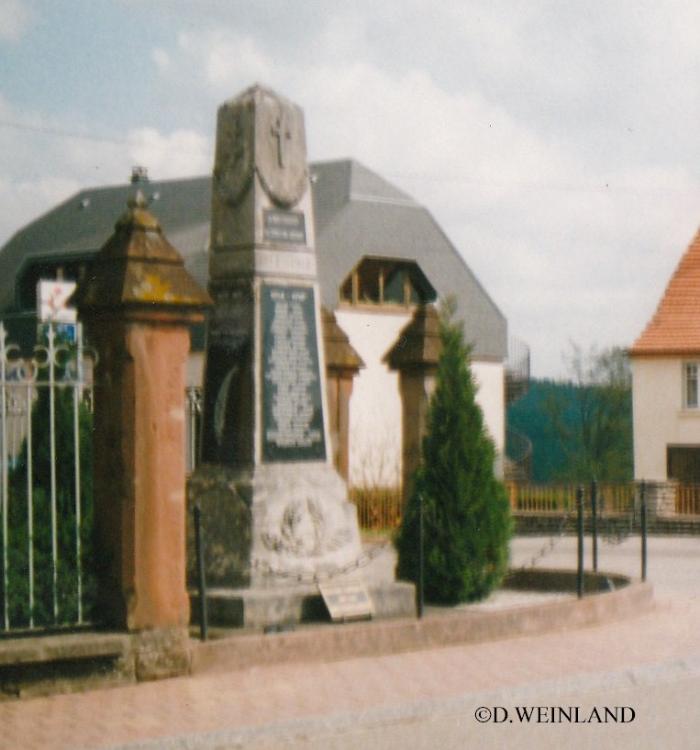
point(280, 149)
point(234, 153)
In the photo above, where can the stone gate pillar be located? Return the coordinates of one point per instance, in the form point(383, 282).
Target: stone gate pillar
point(415, 355)
point(138, 303)
point(342, 365)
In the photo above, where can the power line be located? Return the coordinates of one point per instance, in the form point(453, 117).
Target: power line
point(61, 133)
point(581, 187)
point(602, 187)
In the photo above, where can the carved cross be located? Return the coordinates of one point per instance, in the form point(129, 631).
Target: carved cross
point(280, 130)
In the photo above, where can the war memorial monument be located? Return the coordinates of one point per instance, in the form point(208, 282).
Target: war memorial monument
point(276, 516)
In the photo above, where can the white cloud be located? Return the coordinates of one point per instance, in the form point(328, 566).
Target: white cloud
point(161, 59)
point(227, 61)
point(182, 153)
point(64, 165)
point(15, 17)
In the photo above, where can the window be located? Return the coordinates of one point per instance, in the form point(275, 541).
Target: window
point(683, 463)
point(386, 281)
point(690, 385)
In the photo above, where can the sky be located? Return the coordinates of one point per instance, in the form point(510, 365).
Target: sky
point(556, 142)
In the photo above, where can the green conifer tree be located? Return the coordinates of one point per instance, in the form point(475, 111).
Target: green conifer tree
point(466, 516)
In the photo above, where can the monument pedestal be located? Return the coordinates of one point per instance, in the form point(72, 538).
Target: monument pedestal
point(282, 607)
point(276, 516)
point(271, 535)
point(273, 524)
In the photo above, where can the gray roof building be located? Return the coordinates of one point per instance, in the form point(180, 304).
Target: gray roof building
point(358, 215)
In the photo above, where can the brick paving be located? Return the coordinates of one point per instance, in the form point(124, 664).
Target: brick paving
point(260, 696)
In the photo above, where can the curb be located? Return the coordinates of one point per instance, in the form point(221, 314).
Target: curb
point(336, 642)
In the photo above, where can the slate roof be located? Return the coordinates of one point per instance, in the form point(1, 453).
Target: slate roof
point(357, 214)
point(675, 327)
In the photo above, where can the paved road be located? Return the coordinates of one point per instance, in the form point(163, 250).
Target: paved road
point(650, 664)
point(673, 564)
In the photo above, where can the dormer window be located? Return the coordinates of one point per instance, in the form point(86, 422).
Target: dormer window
point(387, 281)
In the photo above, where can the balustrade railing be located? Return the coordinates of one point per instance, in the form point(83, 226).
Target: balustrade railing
point(561, 498)
point(378, 508)
point(687, 499)
point(613, 498)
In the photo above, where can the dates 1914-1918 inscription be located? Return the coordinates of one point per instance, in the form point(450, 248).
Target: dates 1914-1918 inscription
point(292, 405)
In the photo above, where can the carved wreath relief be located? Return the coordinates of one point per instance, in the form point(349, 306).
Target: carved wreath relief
point(233, 168)
point(303, 532)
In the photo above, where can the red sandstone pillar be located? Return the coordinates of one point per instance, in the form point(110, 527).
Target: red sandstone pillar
point(342, 365)
point(138, 303)
point(415, 355)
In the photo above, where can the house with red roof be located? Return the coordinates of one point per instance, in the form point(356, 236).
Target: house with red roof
point(666, 380)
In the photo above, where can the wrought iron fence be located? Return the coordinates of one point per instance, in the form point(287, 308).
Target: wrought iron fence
point(193, 423)
point(45, 489)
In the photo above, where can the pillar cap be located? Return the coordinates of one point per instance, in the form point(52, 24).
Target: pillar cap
point(138, 270)
point(418, 344)
point(340, 354)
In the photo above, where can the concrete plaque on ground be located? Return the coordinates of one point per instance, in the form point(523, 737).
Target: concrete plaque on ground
point(292, 405)
point(346, 601)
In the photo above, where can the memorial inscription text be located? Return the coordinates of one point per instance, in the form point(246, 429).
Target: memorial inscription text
point(284, 226)
point(292, 405)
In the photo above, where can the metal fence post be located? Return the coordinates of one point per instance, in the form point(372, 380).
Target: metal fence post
point(594, 524)
point(579, 569)
point(643, 525)
point(201, 580)
point(4, 486)
point(421, 561)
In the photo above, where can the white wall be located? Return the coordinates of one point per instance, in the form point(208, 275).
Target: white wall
point(659, 418)
point(375, 406)
point(490, 379)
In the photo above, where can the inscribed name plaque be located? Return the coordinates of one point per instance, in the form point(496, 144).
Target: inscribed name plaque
point(292, 405)
point(284, 226)
point(346, 601)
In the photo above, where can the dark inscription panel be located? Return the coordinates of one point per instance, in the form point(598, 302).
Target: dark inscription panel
point(284, 226)
point(228, 417)
point(292, 406)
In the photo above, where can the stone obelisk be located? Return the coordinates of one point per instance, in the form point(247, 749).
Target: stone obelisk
point(278, 512)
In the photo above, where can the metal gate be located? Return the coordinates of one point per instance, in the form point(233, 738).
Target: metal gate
point(45, 480)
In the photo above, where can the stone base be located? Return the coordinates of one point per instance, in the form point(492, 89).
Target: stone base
point(287, 606)
point(270, 535)
point(161, 653)
point(272, 525)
